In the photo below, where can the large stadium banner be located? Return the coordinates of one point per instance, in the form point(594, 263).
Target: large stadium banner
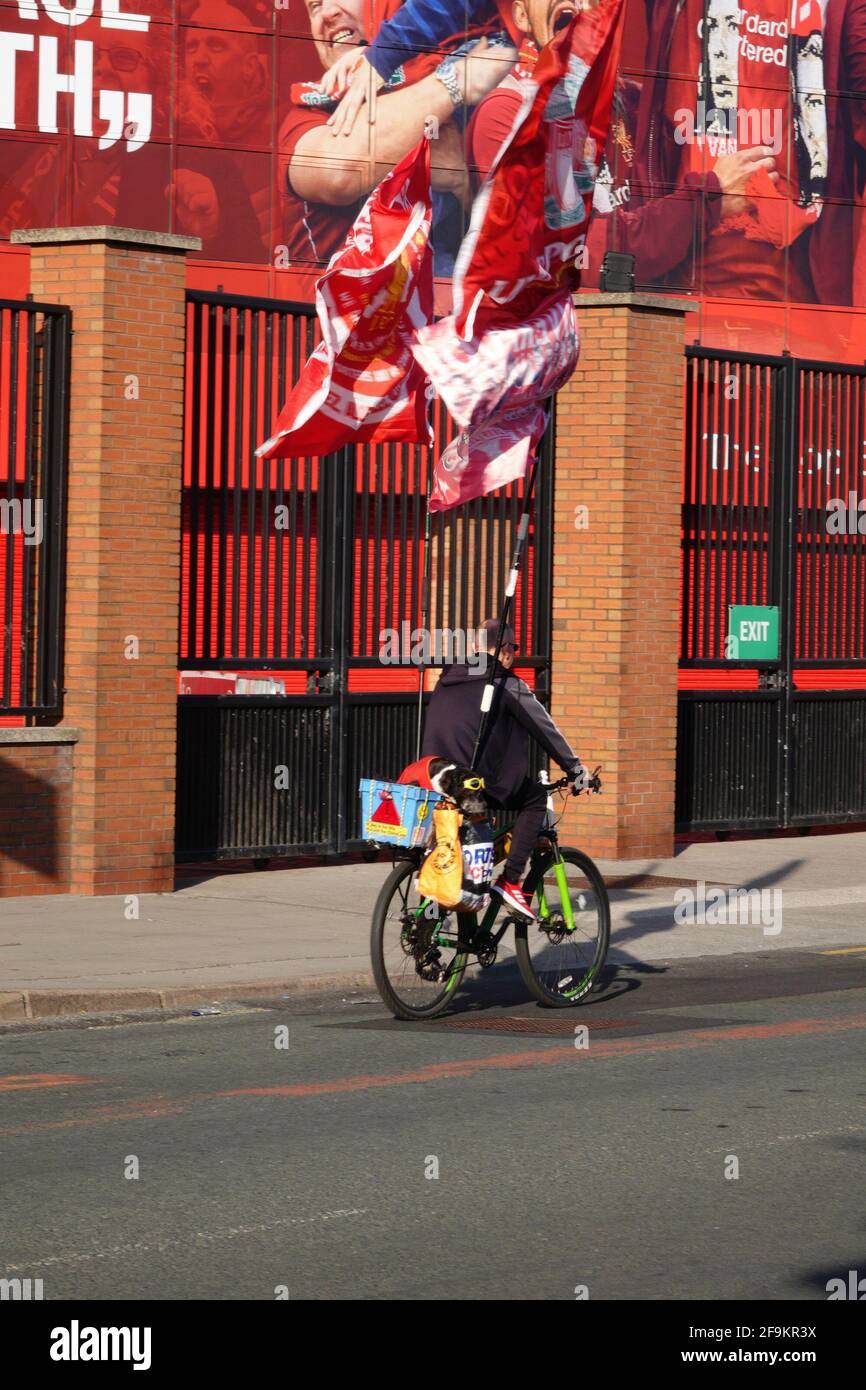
point(734, 172)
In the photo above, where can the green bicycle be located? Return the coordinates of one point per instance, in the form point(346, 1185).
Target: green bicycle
point(420, 950)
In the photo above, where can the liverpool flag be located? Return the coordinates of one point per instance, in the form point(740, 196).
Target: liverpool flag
point(362, 384)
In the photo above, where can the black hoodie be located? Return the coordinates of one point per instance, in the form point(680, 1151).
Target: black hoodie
point(454, 714)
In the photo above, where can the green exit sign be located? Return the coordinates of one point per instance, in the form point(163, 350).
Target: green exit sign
point(753, 633)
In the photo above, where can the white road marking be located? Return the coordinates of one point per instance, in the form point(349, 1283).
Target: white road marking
point(791, 1138)
point(196, 1237)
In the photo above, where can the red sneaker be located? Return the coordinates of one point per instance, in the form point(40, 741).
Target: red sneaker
point(513, 895)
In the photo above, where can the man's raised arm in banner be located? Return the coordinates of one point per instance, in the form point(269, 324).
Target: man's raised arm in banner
point(416, 27)
point(319, 176)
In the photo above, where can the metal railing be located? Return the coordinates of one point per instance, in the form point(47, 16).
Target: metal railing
point(34, 405)
point(775, 472)
point(291, 570)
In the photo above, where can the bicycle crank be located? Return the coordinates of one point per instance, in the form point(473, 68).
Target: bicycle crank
point(486, 954)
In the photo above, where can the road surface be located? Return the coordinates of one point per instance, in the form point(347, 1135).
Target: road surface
point(479, 1156)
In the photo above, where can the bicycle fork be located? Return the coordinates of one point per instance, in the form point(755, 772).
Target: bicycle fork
point(564, 894)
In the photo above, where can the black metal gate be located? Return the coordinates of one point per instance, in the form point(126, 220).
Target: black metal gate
point(34, 409)
point(291, 572)
point(774, 448)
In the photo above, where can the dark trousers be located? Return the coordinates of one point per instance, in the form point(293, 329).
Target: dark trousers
point(530, 802)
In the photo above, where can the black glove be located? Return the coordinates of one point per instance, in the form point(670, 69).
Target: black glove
point(579, 778)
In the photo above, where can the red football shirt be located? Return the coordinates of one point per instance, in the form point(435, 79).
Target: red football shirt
point(491, 124)
point(313, 232)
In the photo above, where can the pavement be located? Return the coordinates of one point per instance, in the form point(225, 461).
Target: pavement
point(291, 931)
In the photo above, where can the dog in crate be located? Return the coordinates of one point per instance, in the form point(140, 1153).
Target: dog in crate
point(458, 784)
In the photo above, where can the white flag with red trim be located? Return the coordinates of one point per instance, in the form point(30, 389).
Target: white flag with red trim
point(512, 340)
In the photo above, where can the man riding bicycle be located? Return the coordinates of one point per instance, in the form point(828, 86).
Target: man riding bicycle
point(451, 727)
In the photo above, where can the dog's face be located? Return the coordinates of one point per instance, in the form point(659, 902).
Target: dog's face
point(462, 786)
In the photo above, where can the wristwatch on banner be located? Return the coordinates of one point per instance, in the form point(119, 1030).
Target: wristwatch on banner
point(448, 77)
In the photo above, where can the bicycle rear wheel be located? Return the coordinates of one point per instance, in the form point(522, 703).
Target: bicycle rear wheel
point(417, 964)
point(560, 959)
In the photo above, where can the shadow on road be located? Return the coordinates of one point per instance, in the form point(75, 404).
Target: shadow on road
point(650, 921)
point(502, 987)
point(845, 1282)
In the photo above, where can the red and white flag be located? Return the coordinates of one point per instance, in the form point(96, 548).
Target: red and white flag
point(479, 461)
point(495, 387)
point(362, 384)
point(512, 340)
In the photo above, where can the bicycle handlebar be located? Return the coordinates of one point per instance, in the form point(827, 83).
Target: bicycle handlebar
point(594, 786)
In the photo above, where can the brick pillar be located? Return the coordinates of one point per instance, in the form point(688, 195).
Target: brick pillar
point(126, 291)
point(616, 584)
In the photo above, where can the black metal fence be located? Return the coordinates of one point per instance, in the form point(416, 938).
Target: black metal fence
point(775, 463)
point(34, 395)
point(292, 572)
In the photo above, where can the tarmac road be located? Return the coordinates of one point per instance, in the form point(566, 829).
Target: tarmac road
point(312, 1169)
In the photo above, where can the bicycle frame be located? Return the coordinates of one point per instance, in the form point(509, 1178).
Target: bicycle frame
point(484, 930)
point(440, 941)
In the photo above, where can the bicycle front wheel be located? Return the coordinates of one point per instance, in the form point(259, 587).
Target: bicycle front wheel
point(417, 963)
point(561, 954)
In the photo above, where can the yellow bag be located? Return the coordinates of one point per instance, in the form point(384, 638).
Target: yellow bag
point(441, 876)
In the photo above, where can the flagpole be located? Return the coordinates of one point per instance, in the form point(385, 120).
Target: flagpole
point(510, 589)
point(425, 615)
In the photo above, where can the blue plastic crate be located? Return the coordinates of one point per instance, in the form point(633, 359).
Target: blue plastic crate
point(395, 814)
